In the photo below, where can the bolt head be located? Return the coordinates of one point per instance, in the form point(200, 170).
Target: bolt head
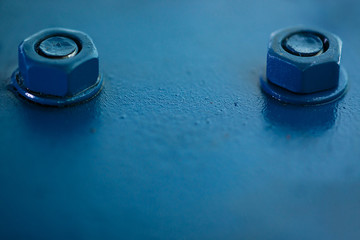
point(59, 69)
point(58, 47)
point(304, 60)
point(304, 44)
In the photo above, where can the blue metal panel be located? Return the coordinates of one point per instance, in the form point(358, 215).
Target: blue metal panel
point(181, 143)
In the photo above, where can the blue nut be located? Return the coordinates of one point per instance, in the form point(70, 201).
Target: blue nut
point(58, 67)
point(304, 61)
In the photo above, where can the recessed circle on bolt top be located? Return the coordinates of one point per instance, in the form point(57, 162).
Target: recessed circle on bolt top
point(305, 44)
point(58, 47)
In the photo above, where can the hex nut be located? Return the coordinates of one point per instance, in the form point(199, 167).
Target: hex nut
point(304, 74)
point(58, 77)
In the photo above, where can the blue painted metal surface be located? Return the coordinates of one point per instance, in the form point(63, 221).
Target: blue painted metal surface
point(181, 143)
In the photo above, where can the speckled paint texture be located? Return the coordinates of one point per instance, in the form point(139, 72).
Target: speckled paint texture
point(181, 143)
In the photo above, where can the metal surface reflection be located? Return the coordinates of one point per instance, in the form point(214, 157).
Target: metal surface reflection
point(303, 119)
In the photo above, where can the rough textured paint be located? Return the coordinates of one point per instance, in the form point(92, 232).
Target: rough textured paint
point(181, 143)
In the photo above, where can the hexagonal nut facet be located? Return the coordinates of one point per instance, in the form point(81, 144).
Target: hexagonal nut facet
point(304, 74)
point(63, 76)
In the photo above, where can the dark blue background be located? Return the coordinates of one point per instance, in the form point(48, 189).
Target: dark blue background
point(181, 143)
